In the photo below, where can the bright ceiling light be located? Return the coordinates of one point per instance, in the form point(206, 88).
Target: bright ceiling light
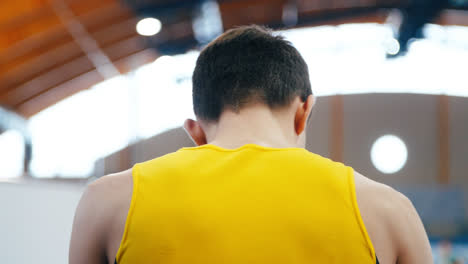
point(392, 46)
point(148, 26)
point(389, 154)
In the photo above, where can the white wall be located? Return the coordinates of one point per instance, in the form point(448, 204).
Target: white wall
point(36, 220)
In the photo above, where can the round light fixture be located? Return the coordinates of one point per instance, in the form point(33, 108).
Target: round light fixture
point(148, 26)
point(392, 46)
point(389, 154)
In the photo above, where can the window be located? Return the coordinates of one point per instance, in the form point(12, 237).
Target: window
point(11, 154)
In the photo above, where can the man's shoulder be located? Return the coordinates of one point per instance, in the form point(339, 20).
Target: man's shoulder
point(382, 198)
point(112, 183)
point(392, 222)
point(104, 198)
point(107, 194)
point(100, 217)
point(110, 191)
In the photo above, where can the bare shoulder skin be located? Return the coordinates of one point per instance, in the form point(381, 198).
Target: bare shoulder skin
point(393, 224)
point(100, 219)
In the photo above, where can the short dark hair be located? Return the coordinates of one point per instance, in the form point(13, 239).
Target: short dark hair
point(245, 65)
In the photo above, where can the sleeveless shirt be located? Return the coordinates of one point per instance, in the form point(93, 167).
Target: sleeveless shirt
point(253, 204)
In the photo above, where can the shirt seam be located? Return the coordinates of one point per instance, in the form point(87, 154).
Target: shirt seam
point(123, 242)
point(247, 146)
point(352, 186)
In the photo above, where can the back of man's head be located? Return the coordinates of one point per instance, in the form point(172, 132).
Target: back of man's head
point(248, 65)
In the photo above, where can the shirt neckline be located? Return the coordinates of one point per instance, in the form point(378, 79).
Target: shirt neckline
point(245, 146)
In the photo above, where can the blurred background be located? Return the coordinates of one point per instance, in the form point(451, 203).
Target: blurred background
point(89, 88)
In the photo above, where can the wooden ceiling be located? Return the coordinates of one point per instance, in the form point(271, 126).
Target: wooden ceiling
point(51, 49)
point(41, 62)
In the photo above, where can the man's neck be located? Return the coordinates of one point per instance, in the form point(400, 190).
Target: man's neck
point(253, 125)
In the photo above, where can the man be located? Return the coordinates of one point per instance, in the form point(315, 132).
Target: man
point(250, 192)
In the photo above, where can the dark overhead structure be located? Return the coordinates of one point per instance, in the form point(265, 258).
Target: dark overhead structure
point(291, 13)
point(415, 16)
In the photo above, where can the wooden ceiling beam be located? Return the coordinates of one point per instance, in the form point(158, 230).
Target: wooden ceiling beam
point(453, 17)
point(125, 48)
point(66, 72)
point(45, 62)
point(16, 33)
point(305, 6)
point(24, 69)
point(80, 7)
point(338, 17)
point(85, 81)
point(52, 78)
point(317, 12)
point(53, 38)
point(18, 14)
point(236, 13)
point(115, 32)
point(33, 46)
point(50, 97)
point(13, 13)
point(104, 18)
point(86, 42)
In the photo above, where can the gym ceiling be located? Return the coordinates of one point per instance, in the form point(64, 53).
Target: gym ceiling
point(50, 50)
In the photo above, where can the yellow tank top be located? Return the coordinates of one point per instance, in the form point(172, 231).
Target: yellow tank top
point(253, 204)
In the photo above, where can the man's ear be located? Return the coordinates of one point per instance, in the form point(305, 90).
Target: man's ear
point(195, 132)
point(302, 114)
